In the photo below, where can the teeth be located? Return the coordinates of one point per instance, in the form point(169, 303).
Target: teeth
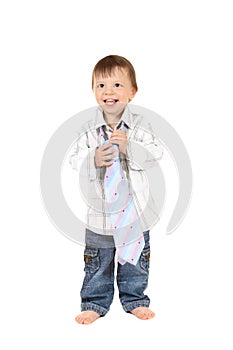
point(110, 101)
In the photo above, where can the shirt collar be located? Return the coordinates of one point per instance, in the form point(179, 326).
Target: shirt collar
point(126, 117)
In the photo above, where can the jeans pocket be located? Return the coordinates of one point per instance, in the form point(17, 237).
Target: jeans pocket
point(145, 255)
point(145, 260)
point(91, 259)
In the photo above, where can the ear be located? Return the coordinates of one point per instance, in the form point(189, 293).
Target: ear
point(132, 93)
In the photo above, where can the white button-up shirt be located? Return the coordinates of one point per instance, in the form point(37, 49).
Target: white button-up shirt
point(143, 151)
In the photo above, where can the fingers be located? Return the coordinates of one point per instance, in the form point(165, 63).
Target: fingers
point(104, 155)
point(109, 163)
point(104, 147)
point(118, 135)
point(107, 152)
point(119, 132)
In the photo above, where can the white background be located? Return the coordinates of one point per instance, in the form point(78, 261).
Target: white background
point(182, 53)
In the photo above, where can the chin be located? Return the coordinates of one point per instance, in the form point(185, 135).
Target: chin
point(115, 108)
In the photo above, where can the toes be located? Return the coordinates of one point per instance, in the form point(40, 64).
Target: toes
point(87, 317)
point(143, 313)
point(79, 319)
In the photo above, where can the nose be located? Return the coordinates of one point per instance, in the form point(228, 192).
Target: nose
point(108, 90)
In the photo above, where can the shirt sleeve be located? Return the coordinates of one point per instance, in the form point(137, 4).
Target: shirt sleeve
point(144, 149)
point(83, 155)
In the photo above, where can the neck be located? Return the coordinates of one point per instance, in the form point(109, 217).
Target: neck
point(112, 120)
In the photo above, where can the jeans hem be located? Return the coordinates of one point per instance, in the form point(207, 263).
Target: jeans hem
point(133, 305)
point(94, 307)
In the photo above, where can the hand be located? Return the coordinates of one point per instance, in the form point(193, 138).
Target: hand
point(119, 138)
point(104, 154)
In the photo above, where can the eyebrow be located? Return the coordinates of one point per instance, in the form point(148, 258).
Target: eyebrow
point(116, 81)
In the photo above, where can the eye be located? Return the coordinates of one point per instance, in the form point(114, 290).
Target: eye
point(100, 86)
point(117, 85)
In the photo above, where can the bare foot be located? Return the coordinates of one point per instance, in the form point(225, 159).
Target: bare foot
point(144, 313)
point(87, 317)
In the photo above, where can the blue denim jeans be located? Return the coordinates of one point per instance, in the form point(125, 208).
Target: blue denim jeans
point(98, 284)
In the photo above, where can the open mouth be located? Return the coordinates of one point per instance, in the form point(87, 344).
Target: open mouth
point(110, 101)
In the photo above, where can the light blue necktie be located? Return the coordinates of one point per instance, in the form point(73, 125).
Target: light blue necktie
point(128, 234)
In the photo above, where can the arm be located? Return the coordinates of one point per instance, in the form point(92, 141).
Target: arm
point(144, 150)
point(141, 148)
point(82, 151)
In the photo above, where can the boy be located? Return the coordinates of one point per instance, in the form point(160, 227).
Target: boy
point(110, 144)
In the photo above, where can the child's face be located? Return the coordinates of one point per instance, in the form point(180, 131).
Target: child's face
point(113, 92)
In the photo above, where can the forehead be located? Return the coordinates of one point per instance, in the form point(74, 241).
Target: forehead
point(114, 73)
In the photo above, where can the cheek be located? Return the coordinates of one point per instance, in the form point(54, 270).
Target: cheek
point(126, 97)
point(97, 95)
